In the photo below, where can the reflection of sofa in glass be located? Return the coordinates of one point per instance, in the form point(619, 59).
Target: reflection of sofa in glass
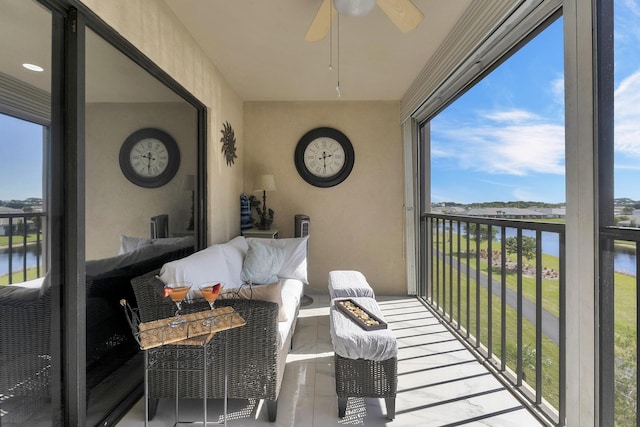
point(257, 352)
point(25, 313)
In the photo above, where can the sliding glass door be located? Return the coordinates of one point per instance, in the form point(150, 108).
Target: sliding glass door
point(28, 345)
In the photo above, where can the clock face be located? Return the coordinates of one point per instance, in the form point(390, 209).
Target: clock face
point(324, 157)
point(149, 158)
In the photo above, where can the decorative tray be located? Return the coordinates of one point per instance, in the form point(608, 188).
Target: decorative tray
point(360, 315)
point(200, 324)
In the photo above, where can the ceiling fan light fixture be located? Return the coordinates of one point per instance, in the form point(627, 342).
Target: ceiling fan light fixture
point(354, 8)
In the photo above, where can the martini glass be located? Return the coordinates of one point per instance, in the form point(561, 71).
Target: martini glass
point(210, 292)
point(177, 294)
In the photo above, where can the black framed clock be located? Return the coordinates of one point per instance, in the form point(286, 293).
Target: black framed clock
point(324, 157)
point(149, 158)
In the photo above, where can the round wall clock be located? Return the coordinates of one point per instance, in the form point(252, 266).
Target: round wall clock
point(149, 158)
point(324, 157)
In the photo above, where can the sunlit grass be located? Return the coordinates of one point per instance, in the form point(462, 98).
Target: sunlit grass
point(18, 240)
point(18, 276)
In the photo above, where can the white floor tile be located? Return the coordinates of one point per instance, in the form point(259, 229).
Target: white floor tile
point(439, 382)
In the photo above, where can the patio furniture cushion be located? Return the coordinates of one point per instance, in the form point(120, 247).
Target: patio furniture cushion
point(262, 263)
point(349, 283)
point(270, 292)
point(352, 342)
point(295, 257)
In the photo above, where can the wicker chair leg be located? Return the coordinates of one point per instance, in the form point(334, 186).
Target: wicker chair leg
point(153, 408)
point(272, 410)
point(391, 407)
point(342, 406)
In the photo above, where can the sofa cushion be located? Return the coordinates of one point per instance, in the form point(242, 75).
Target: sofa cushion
point(129, 244)
point(101, 266)
point(19, 293)
point(271, 292)
point(262, 263)
point(295, 256)
point(204, 266)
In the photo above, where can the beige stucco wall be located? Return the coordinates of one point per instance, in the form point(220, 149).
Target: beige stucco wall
point(355, 225)
point(153, 28)
point(114, 205)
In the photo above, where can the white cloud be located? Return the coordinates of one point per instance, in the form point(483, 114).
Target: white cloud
point(514, 116)
point(632, 5)
point(557, 90)
point(514, 142)
point(627, 116)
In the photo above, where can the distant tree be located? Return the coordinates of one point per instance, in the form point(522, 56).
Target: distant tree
point(528, 246)
point(620, 218)
point(627, 210)
point(472, 231)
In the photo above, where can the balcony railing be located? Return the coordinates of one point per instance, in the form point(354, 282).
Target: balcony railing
point(21, 256)
point(499, 285)
point(619, 318)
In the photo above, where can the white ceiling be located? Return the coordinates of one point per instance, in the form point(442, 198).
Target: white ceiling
point(260, 49)
point(257, 45)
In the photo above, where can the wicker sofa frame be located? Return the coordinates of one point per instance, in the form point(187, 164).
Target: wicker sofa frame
point(25, 338)
point(255, 365)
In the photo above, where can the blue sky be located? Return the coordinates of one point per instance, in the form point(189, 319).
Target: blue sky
point(20, 159)
point(504, 139)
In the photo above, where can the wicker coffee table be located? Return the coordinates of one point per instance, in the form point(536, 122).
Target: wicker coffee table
point(366, 362)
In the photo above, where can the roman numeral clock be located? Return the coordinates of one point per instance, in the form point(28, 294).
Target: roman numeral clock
point(324, 157)
point(149, 158)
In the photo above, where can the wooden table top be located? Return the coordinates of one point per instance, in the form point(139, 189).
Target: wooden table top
point(197, 329)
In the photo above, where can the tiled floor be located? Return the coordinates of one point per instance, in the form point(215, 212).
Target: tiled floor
point(439, 382)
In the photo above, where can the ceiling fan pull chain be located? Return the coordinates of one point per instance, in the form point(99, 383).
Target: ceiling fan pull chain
point(338, 61)
point(331, 37)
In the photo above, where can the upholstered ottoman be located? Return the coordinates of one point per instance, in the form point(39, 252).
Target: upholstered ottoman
point(349, 283)
point(366, 361)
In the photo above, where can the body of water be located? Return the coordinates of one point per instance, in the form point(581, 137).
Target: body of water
point(624, 261)
point(17, 260)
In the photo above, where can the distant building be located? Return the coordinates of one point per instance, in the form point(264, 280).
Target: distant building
point(6, 228)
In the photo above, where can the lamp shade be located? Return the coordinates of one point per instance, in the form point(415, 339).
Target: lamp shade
point(266, 183)
point(354, 7)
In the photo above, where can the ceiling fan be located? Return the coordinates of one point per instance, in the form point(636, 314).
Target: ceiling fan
point(403, 13)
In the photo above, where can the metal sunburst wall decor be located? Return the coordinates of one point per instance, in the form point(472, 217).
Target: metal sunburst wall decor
point(228, 143)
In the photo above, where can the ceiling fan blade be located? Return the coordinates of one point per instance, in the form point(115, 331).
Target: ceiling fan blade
point(404, 14)
point(321, 23)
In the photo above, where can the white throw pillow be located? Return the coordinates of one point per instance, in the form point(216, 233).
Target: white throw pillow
point(129, 244)
point(295, 256)
point(234, 252)
point(207, 265)
point(262, 263)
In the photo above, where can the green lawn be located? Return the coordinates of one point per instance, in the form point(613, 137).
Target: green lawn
point(18, 277)
point(18, 240)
